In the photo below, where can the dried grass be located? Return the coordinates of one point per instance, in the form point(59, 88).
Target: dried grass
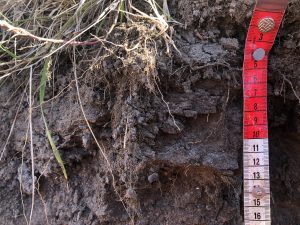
point(35, 30)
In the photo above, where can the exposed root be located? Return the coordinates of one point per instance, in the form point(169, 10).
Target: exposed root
point(31, 144)
point(292, 87)
point(13, 125)
point(21, 188)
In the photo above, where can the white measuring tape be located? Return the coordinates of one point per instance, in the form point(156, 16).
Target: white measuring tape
point(262, 31)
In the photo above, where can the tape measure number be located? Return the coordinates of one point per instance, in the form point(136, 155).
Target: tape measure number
point(261, 35)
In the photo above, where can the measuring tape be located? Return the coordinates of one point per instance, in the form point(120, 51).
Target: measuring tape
point(262, 31)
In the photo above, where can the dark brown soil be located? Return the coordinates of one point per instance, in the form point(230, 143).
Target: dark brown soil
point(173, 136)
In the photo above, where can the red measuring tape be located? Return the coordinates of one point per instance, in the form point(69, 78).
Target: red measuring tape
point(262, 31)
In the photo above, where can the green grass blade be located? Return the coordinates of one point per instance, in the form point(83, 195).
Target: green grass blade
point(44, 78)
point(5, 18)
point(163, 11)
point(54, 149)
point(8, 52)
point(122, 10)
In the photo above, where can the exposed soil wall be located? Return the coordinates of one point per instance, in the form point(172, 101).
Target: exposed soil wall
point(170, 125)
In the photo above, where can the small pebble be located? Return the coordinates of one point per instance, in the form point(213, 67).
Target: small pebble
point(154, 177)
point(131, 193)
